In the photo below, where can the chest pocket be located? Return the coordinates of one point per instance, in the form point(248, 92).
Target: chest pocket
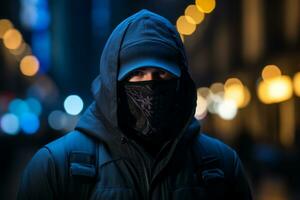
point(112, 193)
point(208, 183)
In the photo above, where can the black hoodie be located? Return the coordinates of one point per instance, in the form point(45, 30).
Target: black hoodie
point(126, 170)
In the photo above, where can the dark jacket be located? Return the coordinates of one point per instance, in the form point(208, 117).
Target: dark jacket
point(189, 166)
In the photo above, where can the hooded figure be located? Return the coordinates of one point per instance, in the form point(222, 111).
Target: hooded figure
point(138, 140)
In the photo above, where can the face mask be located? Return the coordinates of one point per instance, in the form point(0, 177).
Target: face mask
point(148, 108)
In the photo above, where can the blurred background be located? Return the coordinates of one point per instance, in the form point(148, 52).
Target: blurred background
point(244, 56)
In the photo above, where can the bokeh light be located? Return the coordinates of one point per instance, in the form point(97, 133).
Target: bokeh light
point(184, 25)
point(227, 109)
point(296, 82)
point(29, 123)
point(34, 14)
point(236, 93)
point(18, 107)
point(275, 90)
point(270, 71)
point(73, 104)
point(201, 109)
point(34, 105)
point(262, 92)
point(195, 15)
point(281, 88)
point(247, 97)
point(204, 92)
point(232, 81)
point(214, 101)
point(29, 65)
point(72, 120)
point(5, 25)
point(206, 6)
point(59, 120)
point(10, 124)
point(12, 39)
point(217, 88)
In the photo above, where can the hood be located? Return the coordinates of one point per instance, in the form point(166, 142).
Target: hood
point(100, 120)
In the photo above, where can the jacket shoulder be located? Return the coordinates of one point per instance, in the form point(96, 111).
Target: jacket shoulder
point(46, 175)
point(61, 150)
point(72, 141)
point(38, 177)
point(211, 145)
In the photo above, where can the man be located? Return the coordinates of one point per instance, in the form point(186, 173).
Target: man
point(138, 139)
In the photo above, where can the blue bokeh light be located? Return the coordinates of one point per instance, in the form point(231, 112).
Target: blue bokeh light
point(57, 120)
point(40, 43)
point(73, 105)
point(18, 107)
point(30, 123)
point(34, 105)
point(10, 124)
point(35, 14)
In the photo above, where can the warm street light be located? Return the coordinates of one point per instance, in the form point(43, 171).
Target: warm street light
point(297, 84)
point(275, 90)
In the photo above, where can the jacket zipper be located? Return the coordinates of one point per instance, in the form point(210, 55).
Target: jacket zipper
point(146, 177)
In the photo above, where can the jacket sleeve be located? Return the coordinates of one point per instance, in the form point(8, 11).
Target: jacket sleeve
point(38, 179)
point(241, 187)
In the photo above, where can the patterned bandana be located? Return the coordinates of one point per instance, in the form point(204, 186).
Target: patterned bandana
point(148, 108)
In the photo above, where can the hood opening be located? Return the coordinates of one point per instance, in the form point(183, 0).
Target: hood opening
point(101, 118)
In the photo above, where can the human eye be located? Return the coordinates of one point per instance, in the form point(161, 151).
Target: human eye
point(164, 75)
point(138, 73)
